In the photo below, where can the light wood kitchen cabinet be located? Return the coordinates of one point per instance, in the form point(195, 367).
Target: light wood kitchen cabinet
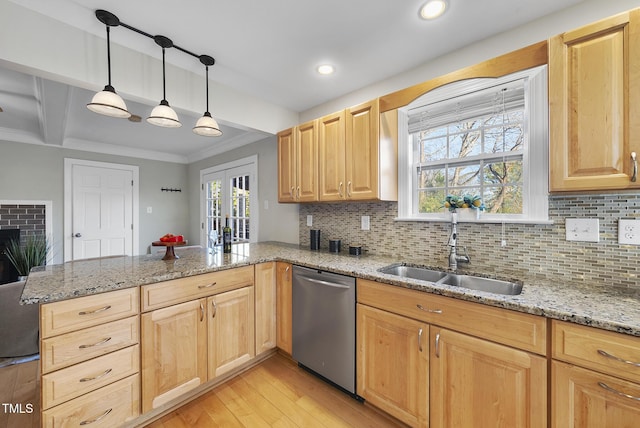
point(298, 163)
point(265, 303)
point(284, 282)
point(393, 364)
point(89, 359)
point(187, 344)
point(595, 377)
point(231, 339)
point(357, 157)
point(594, 105)
point(474, 382)
point(481, 359)
point(174, 352)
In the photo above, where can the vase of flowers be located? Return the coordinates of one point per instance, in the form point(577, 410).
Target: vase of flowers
point(468, 207)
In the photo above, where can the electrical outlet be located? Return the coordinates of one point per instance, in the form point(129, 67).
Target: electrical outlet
point(365, 222)
point(309, 220)
point(583, 229)
point(149, 210)
point(629, 231)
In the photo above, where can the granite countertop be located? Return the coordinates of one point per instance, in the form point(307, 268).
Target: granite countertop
point(594, 305)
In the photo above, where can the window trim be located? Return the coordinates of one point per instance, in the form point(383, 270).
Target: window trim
point(251, 162)
point(536, 152)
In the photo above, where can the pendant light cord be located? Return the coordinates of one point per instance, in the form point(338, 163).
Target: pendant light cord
point(207, 85)
point(109, 55)
point(164, 88)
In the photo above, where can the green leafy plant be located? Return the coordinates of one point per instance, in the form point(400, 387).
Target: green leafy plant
point(30, 254)
point(465, 201)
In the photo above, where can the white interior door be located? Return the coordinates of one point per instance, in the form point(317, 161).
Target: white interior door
point(102, 207)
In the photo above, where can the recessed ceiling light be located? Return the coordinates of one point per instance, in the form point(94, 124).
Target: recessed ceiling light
point(326, 69)
point(433, 9)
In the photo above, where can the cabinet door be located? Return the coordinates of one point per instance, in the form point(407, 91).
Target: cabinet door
point(174, 352)
point(286, 166)
point(307, 162)
point(331, 147)
point(476, 383)
point(265, 295)
point(362, 151)
point(393, 364)
point(231, 330)
point(283, 306)
point(594, 91)
point(584, 398)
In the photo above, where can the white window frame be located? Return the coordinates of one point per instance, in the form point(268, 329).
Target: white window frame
point(251, 164)
point(535, 156)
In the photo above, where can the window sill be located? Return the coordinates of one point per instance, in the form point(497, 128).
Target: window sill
point(481, 220)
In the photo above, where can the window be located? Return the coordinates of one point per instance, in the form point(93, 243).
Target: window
point(228, 190)
point(481, 137)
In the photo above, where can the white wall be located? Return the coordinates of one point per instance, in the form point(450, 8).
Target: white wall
point(584, 13)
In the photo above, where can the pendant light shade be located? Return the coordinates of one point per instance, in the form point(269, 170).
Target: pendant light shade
point(207, 125)
point(107, 101)
point(163, 115)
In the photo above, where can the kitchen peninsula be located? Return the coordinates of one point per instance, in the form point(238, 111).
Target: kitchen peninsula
point(132, 280)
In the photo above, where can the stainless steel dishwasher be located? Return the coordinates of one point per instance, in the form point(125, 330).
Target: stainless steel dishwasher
point(324, 325)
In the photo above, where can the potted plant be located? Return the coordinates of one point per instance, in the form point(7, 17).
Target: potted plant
point(30, 254)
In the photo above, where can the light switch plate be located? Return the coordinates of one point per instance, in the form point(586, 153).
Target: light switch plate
point(364, 222)
point(629, 231)
point(583, 229)
point(309, 220)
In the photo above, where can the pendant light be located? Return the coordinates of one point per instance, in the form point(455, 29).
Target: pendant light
point(163, 115)
point(207, 125)
point(107, 102)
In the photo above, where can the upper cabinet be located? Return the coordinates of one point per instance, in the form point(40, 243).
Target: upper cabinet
point(594, 105)
point(298, 163)
point(356, 154)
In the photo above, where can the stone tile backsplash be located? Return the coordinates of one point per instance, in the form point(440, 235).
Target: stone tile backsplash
point(532, 251)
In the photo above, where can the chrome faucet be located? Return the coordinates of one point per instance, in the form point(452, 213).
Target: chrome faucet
point(454, 258)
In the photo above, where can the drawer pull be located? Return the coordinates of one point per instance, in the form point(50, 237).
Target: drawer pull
point(433, 311)
point(207, 286)
point(89, 379)
point(95, 311)
point(613, 357)
point(615, 391)
point(90, 421)
point(420, 340)
point(102, 342)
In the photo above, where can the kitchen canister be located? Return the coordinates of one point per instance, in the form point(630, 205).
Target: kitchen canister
point(334, 245)
point(314, 239)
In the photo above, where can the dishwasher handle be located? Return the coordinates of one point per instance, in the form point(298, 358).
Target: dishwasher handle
point(327, 283)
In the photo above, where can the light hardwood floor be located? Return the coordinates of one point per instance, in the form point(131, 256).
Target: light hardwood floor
point(276, 393)
point(18, 386)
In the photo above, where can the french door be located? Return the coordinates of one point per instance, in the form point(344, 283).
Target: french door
point(228, 191)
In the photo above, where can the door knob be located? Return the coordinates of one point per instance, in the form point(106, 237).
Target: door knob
point(78, 235)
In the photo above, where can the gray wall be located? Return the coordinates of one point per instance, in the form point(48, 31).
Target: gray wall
point(278, 222)
point(30, 172)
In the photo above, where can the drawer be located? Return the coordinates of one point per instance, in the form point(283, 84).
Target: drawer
point(168, 293)
point(107, 407)
point(71, 348)
point(66, 384)
point(605, 351)
point(519, 330)
point(75, 314)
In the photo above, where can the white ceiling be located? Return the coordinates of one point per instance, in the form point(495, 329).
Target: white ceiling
point(265, 48)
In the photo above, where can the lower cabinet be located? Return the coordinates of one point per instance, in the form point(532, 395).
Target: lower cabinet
point(477, 383)
point(174, 352)
point(265, 289)
point(231, 330)
point(284, 282)
point(393, 364)
point(185, 345)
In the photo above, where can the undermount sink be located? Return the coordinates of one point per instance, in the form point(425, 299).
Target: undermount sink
point(412, 272)
point(489, 285)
